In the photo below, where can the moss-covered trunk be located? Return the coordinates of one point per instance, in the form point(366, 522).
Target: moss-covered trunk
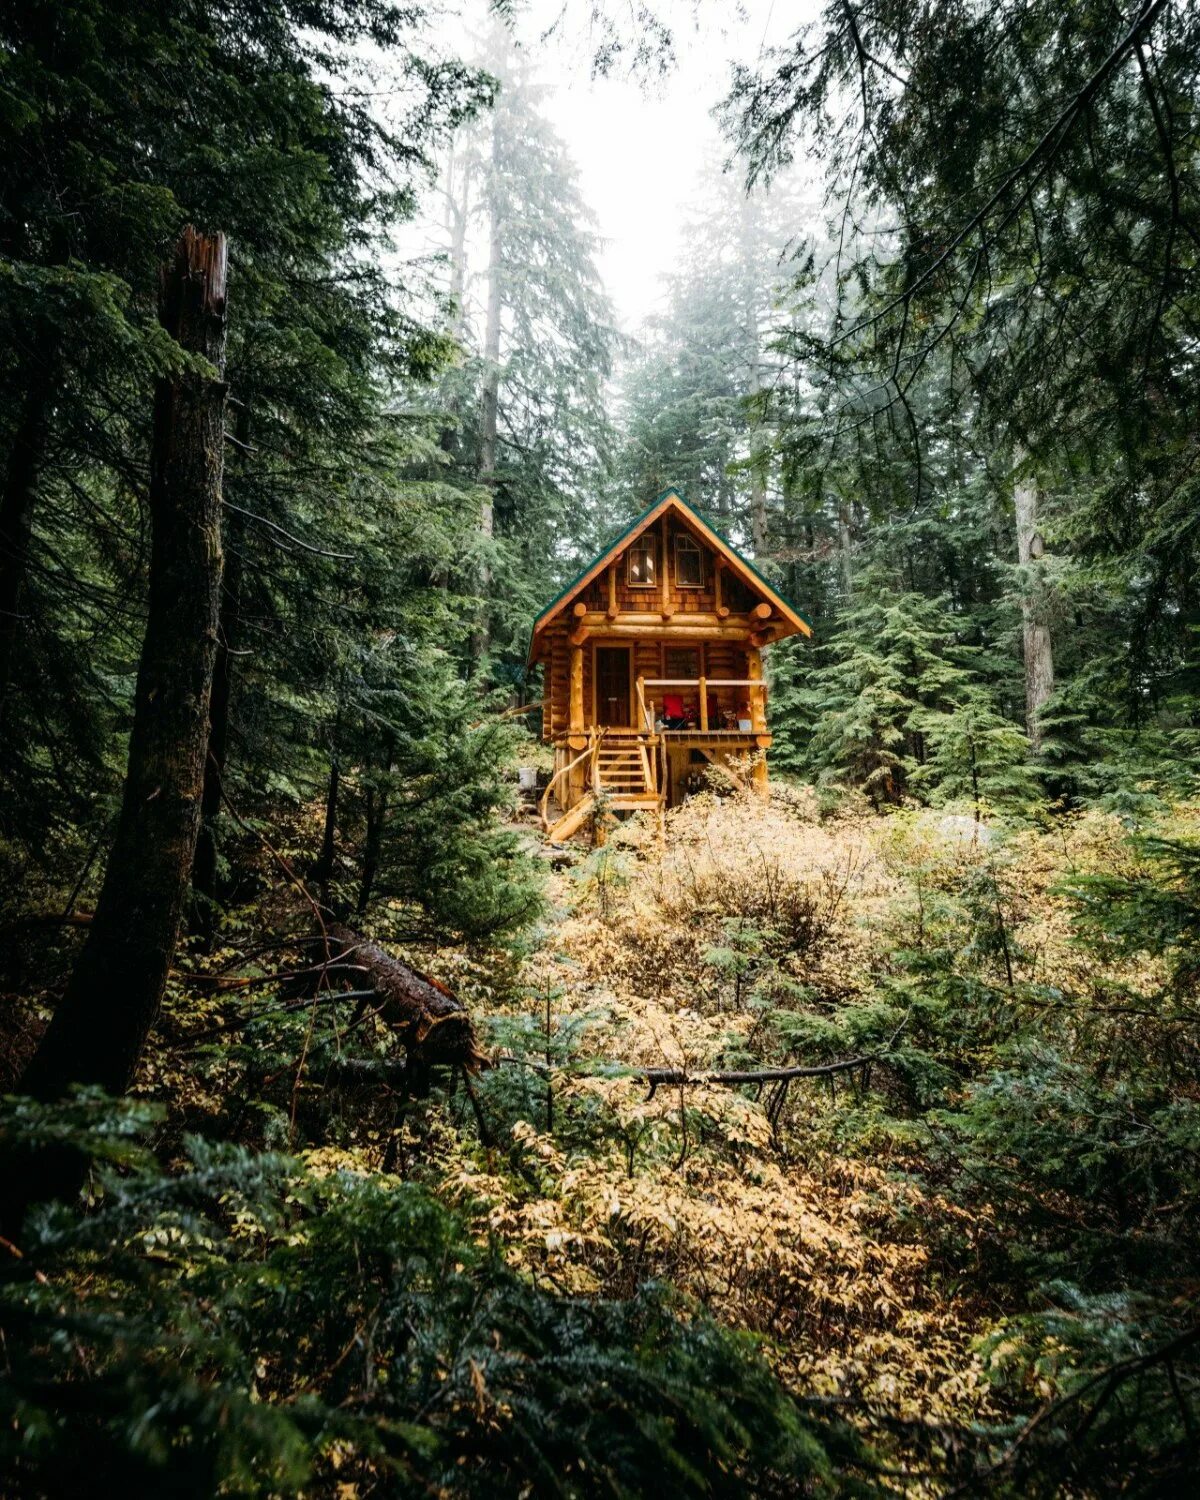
point(112, 1000)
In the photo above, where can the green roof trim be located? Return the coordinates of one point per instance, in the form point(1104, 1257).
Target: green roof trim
point(629, 531)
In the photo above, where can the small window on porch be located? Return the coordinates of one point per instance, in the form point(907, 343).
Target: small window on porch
point(641, 571)
point(683, 663)
point(689, 562)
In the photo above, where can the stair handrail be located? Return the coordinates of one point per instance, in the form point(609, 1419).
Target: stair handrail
point(591, 749)
point(597, 790)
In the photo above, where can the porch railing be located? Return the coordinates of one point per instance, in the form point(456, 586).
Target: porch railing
point(754, 685)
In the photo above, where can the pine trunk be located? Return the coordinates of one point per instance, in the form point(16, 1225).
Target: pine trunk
point(758, 445)
point(457, 216)
point(322, 869)
point(1039, 655)
point(204, 868)
point(845, 548)
point(16, 515)
point(377, 803)
point(490, 399)
point(112, 1000)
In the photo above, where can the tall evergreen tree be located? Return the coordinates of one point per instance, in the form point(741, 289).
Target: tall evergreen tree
point(528, 426)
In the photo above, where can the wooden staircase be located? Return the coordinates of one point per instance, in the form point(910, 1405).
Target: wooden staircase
point(622, 780)
point(622, 769)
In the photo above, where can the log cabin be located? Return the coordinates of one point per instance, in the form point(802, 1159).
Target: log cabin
point(652, 661)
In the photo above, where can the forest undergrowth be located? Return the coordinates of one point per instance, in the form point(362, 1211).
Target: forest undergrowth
point(957, 1253)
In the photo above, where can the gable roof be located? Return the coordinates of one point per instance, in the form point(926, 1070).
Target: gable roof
point(669, 500)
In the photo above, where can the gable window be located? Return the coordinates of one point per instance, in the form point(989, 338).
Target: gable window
point(640, 560)
point(689, 562)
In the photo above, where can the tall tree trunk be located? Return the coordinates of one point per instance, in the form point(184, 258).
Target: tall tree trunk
point(458, 193)
point(112, 1000)
point(204, 867)
point(322, 870)
point(458, 208)
point(758, 442)
point(845, 547)
point(377, 802)
point(490, 398)
point(16, 511)
point(1039, 655)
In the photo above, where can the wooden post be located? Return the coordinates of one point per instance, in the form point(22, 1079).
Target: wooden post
point(703, 705)
point(613, 609)
point(575, 781)
point(576, 700)
point(100, 1026)
point(668, 608)
point(758, 717)
point(720, 608)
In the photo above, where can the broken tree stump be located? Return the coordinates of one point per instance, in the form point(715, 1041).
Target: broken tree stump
point(433, 1025)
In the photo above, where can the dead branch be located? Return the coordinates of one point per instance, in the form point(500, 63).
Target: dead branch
point(731, 1077)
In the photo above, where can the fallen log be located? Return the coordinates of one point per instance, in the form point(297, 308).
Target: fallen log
point(433, 1025)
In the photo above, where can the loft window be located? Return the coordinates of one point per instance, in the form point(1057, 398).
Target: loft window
point(689, 562)
point(641, 570)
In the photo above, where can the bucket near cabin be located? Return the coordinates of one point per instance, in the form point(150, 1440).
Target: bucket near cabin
point(527, 778)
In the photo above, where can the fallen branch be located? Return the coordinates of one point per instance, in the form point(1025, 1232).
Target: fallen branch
point(240, 1023)
point(730, 1077)
point(657, 1077)
point(382, 1070)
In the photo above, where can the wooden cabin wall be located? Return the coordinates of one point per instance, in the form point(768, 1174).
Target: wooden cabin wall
point(558, 677)
point(588, 684)
point(718, 659)
point(737, 596)
point(647, 662)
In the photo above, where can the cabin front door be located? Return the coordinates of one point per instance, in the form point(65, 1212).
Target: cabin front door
point(612, 686)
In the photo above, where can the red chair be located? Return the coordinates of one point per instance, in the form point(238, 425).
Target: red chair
point(675, 714)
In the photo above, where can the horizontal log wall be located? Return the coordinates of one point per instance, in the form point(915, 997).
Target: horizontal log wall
point(719, 639)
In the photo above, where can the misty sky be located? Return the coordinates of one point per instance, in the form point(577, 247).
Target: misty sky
point(639, 142)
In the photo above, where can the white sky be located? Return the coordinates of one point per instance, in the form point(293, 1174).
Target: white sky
point(639, 142)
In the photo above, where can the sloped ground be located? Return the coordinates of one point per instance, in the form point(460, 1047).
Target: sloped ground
point(825, 1216)
point(680, 956)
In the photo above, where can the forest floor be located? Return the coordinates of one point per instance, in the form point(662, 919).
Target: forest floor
point(776, 1206)
point(833, 1216)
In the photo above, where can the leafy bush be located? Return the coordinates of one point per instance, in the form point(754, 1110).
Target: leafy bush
point(249, 1326)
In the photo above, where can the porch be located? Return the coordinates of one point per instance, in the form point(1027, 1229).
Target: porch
point(644, 765)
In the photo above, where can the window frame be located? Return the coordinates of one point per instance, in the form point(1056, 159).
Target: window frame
point(685, 542)
point(642, 544)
